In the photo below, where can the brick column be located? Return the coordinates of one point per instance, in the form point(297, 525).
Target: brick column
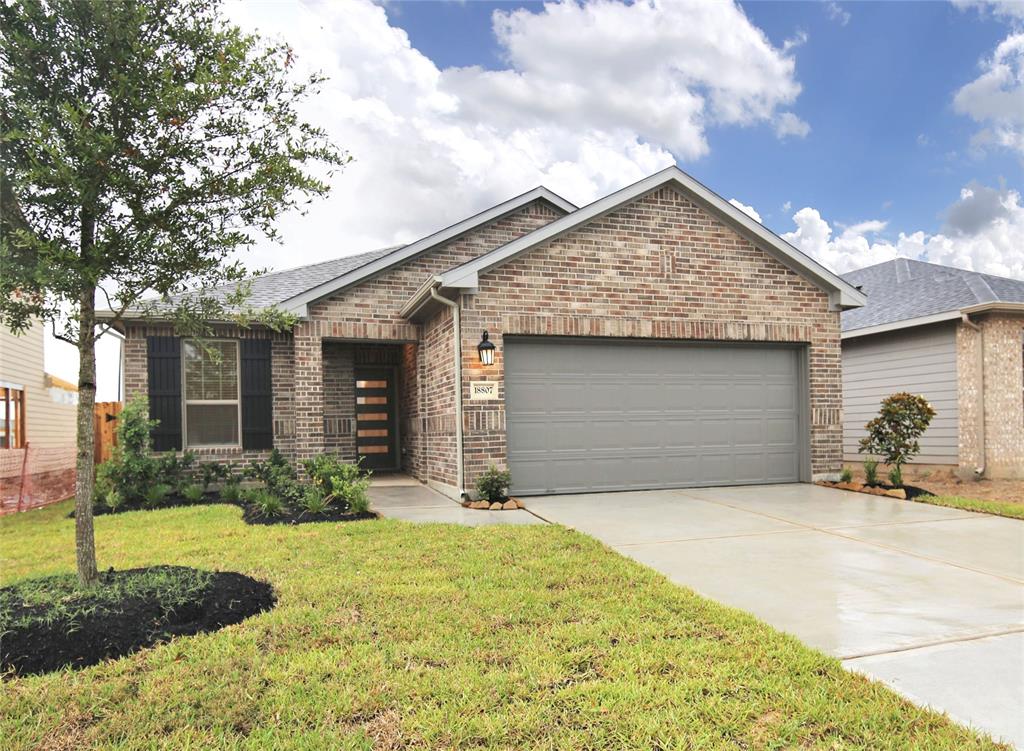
point(309, 391)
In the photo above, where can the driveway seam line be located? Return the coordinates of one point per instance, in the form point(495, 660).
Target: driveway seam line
point(935, 643)
point(703, 539)
point(826, 531)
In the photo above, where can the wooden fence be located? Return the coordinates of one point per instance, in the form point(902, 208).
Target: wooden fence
point(104, 422)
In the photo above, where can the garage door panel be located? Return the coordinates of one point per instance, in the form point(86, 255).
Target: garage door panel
point(587, 415)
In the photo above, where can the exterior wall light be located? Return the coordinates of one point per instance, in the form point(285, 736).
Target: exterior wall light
point(486, 350)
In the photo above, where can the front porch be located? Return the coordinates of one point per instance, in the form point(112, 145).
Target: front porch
point(369, 404)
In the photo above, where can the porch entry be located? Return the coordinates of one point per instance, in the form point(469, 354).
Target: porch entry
point(377, 418)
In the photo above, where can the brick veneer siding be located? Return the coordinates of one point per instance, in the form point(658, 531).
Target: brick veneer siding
point(136, 382)
point(437, 401)
point(370, 311)
point(659, 267)
point(1002, 341)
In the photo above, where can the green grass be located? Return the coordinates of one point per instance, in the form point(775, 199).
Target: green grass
point(998, 508)
point(65, 602)
point(392, 635)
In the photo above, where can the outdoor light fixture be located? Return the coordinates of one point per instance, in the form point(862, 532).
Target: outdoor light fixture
point(486, 350)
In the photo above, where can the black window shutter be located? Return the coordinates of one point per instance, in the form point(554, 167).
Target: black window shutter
point(164, 366)
point(257, 395)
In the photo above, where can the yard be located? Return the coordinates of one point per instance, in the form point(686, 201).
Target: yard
point(390, 635)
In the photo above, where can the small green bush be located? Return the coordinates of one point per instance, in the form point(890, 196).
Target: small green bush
point(113, 500)
point(350, 485)
point(266, 503)
point(896, 477)
point(231, 491)
point(174, 470)
point(278, 476)
point(315, 501)
point(870, 472)
point(193, 492)
point(211, 472)
point(493, 484)
point(846, 475)
point(157, 494)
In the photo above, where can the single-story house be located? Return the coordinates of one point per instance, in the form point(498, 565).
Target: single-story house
point(957, 338)
point(657, 337)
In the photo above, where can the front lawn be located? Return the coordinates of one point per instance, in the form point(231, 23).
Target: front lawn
point(999, 508)
point(391, 635)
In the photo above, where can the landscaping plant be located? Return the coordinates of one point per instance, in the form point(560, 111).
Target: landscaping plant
point(142, 146)
point(870, 472)
point(193, 493)
point(265, 502)
point(493, 484)
point(846, 475)
point(231, 491)
point(894, 434)
point(211, 472)
point(315, 501)
point(157, 494)
point(277, 475)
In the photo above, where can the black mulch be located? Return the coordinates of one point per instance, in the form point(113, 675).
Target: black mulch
point(137, 623)
point(250, 513)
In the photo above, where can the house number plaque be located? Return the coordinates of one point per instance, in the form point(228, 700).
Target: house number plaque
point(483, 390)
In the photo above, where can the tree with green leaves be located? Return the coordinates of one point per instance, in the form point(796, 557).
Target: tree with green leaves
point(143, 144)
point(895, 433)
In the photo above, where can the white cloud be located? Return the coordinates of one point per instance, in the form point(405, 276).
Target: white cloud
point(787, 205)
point(748, 210)
point(1005, 8)
point(995, 99)
point(592, 98)
point(984, 232)
point(837, 13)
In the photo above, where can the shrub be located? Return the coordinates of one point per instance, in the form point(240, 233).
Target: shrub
point(157, 494)
point(870, 472)
point(321, 469)
point(113, 500)
point(493, 484)
point(315, 501)
point(266, 503)
point(175, 470)
point(231, 492)
point(894, 434)
point(896, 476)
point(278, 476)
point(350, 484)
point(131, 470)
point(846, 475)
point(193, 492)
point(212, 472)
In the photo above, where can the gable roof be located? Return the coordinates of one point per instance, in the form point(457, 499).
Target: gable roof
point(904, 292)
point(842, 294)
point(299, 303)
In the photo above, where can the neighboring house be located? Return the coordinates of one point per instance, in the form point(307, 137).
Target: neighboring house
point(36, 410)
point(658, 337)
point(954, 336)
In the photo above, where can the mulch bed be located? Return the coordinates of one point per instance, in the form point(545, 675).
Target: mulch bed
point(137, 623)
point(250, 513)
point(912, 491)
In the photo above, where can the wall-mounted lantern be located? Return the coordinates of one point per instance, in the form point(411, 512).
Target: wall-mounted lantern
point(486, 350)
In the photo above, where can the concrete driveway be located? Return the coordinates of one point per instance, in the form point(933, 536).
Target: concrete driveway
point(929, 600)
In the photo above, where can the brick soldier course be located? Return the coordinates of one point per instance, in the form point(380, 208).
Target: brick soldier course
point(665, 261)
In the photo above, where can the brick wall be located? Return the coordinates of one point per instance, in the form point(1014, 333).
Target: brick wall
point(136, 382)
point(659, 267)
point(370, 312)
point(1002, 384)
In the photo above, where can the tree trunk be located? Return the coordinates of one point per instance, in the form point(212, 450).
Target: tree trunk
point(85, 543)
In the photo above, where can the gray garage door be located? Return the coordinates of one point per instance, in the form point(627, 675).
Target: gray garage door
point(588, 415)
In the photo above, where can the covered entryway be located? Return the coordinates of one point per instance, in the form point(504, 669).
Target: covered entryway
point(588, 415)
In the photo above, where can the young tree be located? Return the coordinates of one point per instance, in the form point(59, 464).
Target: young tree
point(894, 434)
point(142, 143)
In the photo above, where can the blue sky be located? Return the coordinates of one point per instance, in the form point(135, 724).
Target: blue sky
point(877, 91)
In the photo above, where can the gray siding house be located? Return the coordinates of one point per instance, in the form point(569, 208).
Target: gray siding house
point(957, 338)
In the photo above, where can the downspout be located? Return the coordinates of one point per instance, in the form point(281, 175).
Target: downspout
point(979, 422)
point(457, 324)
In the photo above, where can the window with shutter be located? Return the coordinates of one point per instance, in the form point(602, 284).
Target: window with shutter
point(210, 391)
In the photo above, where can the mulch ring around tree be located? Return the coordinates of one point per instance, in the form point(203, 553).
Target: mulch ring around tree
point(49, 624)
point(250, 513)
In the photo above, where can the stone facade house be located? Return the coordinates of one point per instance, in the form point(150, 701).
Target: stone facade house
point(658, 337)
point(953, 336)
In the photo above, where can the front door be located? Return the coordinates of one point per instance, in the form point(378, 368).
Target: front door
point(376, 418)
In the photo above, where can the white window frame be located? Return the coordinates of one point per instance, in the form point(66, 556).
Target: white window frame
point(185, 401)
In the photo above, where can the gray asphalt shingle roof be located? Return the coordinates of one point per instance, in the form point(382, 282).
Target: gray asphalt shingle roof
point(277, 286)
point(902, 289)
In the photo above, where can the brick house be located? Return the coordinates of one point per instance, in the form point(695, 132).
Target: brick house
point(657, 337)
point(954, 336)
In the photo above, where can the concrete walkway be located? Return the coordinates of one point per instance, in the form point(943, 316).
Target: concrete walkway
point(929, 600)
point(404, 498)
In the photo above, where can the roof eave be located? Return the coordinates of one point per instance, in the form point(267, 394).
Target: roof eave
point(947, 315)
point(299, 304)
